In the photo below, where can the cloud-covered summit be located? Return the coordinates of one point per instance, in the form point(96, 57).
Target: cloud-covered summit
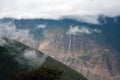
point(57, 8)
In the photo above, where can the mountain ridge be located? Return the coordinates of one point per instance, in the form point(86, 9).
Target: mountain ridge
point(93, 46)
point(16, 50)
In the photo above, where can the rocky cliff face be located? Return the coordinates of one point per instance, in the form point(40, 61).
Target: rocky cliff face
point(85, 52)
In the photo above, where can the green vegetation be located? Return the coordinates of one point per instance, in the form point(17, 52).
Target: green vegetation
point(11, 69)
point(43, 73)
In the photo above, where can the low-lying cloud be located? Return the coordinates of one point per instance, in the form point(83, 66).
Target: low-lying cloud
point(40, 26)
point(93, 19)
point(34, 60)
point(29, 57)
point(9, 30)
point(74, 30)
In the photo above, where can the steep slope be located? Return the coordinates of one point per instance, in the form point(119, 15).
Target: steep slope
point(94, 51)
point(15, 57)
point(86, 52)
point(108, 25)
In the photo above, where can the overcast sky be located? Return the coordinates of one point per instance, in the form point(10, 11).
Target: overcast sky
point(58, 8)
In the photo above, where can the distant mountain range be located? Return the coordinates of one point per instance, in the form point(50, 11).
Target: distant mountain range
point(91, 49)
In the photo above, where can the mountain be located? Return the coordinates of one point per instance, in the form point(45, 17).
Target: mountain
point(91, 49)
point(86, 53)
point(16, 57)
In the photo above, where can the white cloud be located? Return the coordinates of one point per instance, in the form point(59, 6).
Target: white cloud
point(41, 26)
point(97, 30)
point(34, 60)
point(57, 8)
point(74, 30)
point(31, 58)
point(88, 18)
point(2, 42)
point(9, 30)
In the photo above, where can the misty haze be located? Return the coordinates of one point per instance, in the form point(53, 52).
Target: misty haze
point(59, 40)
